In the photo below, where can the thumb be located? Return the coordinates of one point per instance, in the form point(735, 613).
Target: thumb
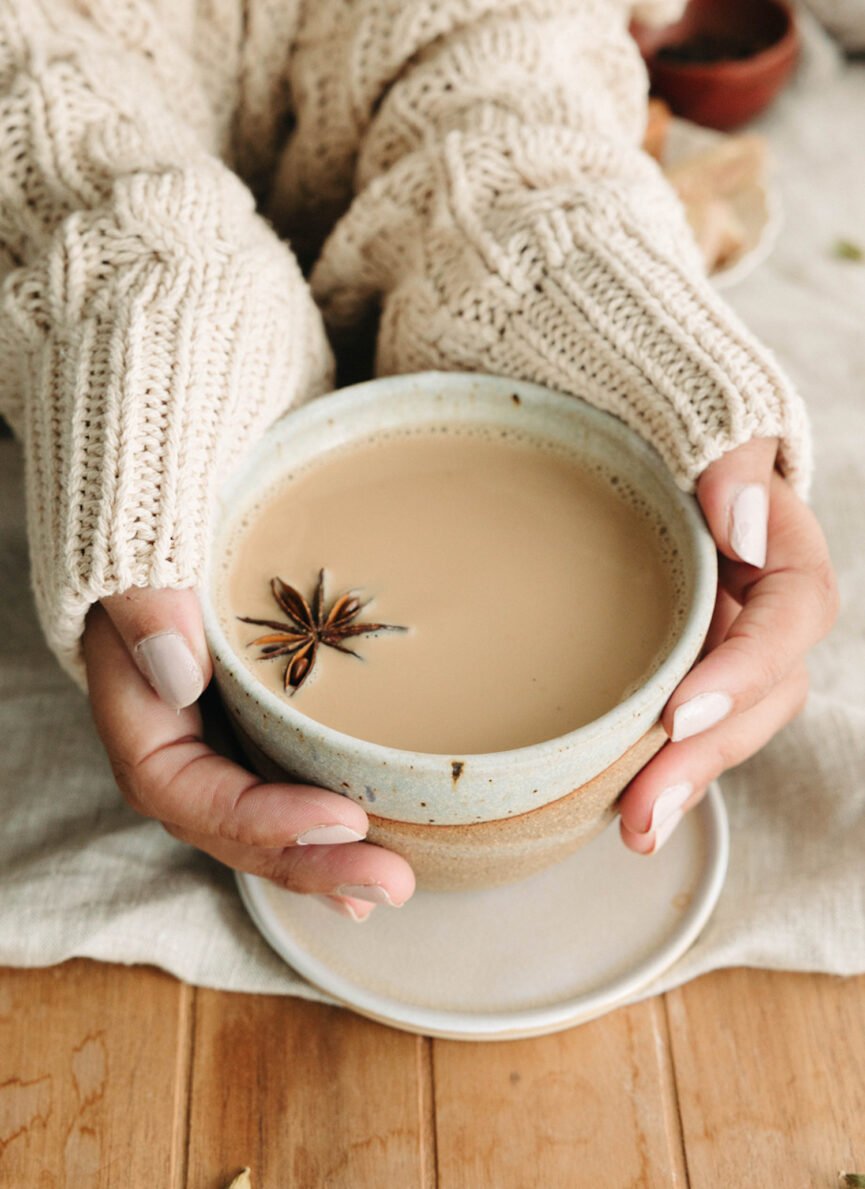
point(734, 495)
point(163, 632)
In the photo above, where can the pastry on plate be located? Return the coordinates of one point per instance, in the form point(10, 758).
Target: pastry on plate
point(718, 183)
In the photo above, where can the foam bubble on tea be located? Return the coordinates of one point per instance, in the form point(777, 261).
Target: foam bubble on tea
point(536, 592)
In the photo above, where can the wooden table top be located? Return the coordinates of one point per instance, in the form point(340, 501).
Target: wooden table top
point(124, 1078)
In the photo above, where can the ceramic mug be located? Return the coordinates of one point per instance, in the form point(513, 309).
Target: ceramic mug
point(466, 821)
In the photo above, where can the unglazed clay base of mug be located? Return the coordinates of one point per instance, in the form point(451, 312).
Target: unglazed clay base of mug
point(487, 854)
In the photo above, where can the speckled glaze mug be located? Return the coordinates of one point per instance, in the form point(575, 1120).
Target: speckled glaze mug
point(466, 821)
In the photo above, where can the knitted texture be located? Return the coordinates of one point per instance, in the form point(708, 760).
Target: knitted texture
point(155, 325)
point(505, 223)
point(469, 168)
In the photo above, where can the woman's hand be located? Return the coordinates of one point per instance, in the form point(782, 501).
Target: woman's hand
point(147, 663)
point(776, 598)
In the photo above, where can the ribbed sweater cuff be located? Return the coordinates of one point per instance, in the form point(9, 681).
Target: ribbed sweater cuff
point(624, 325)
point(595, 289)
point(137, 411)
point(652, 346)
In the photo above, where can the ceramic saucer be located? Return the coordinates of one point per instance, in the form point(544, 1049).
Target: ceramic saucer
point(552, 951)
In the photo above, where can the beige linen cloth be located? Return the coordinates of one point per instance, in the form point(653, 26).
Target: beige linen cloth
point(81, 875)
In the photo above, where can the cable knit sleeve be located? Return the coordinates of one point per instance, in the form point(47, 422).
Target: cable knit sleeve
point(151, 324)
point(482, 163)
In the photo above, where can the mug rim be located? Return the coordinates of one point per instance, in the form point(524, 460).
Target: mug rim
point(342, 402)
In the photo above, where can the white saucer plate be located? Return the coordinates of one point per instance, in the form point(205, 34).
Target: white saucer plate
point(522, 960)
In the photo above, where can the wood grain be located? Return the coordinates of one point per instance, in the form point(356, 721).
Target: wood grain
point(113, 1076)
point(591, 1107)
point(305, 1095)
point(769, 1070)
point(92, 1077)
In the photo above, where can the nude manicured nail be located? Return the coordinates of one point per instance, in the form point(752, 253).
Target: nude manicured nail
point(749, 521)
point(666, 828)
point(343, 908)
point(328, 836)
point(670, 801)
point(168, 664)
point(699, 713)
point(372, 893)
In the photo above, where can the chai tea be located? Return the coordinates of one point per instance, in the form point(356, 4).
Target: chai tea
point(535, 592)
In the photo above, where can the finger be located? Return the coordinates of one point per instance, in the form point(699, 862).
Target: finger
point(725, 612)
point(167, 772)
point(676, 778)
point(355, 910)
point(734, 495)
point(164, 633)
point(786, 609)
point(364, 873)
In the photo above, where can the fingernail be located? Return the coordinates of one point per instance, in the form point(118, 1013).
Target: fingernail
point(749, 524)
point(372, 893)
point(343, 908)
point(670, 801)
point(168, 664)
point(666, 828)
point(328, 836)
point(699, 713)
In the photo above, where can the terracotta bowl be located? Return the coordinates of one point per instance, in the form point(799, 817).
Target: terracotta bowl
point(468, 821)
point(727, 91)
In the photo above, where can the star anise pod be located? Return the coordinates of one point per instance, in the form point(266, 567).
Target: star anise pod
point(310, 624)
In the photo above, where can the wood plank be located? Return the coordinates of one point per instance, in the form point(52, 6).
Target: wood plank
point(769, 1068)
point(92, 1077)
point(591, 1107)
point(305, 1095)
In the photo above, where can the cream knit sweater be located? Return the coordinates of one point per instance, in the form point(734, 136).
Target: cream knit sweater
point(469, 168)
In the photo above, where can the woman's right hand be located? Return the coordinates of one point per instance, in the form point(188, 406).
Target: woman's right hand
point(302, 838)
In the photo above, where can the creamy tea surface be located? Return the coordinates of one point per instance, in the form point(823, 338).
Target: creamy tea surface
point(536, 596)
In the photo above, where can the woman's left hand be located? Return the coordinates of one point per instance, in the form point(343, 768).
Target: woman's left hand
point(777, 597)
